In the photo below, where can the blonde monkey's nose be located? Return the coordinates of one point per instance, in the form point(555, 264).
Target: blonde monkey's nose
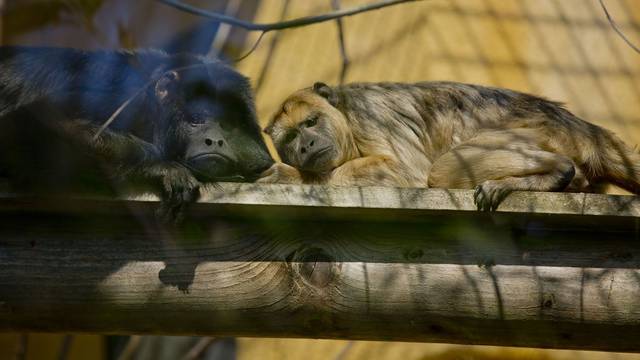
point(304, 149)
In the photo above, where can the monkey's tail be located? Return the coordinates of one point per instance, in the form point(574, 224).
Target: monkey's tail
point(615, 162)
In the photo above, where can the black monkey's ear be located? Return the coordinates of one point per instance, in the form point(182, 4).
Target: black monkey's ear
point(326, 92)
point(166, 86)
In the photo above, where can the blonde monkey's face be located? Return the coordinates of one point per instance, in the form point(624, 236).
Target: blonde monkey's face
point(310, 133)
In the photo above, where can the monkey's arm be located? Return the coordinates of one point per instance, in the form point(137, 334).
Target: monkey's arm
point(124, 151)
point(136, 165)
point(378, 170)
point(281, 173)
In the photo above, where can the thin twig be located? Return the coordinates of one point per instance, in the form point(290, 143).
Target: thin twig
point(199, 348)
point(138, 92)
point(63, 353)
point(131, 348)
point(118, 111)
point(335, 4)
point(307, 20)
point(253, 48)
point(615, 27)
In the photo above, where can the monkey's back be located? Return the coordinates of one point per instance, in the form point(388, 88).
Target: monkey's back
point(418, 123)
point(443, 114)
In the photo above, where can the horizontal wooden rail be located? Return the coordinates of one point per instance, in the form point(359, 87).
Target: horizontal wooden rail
point(547, 270)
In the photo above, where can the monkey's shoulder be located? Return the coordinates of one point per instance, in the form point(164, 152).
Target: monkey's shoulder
point(444, 96)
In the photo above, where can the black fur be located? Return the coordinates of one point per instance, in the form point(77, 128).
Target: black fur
point(190, 120)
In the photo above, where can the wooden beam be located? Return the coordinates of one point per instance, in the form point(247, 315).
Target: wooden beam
point(549, 270)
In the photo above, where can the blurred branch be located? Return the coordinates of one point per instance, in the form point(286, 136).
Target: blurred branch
point(63, 353)
point(335, 4)
point(131, 348)
point(615, 27)
point(345, 350)
point(272, 48)
point(199, 348)
point(303, 21)
point(233, 6)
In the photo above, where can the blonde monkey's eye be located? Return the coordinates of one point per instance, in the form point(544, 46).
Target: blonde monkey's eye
point(311, 122)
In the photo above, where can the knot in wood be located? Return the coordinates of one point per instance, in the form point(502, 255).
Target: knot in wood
point(314, 266)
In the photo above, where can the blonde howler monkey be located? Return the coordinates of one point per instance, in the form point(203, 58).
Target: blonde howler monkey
point(443, 135)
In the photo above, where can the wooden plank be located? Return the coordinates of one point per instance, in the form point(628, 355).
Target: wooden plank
point(418, 198)
point(277, 261)
point(373, 198)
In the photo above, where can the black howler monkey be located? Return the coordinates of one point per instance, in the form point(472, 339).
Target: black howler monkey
point(184, 120)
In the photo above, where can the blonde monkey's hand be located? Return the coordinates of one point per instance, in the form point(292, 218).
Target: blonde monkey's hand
point(280, 173)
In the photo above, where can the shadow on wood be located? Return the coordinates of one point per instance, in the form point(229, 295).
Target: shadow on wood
point(305, 261)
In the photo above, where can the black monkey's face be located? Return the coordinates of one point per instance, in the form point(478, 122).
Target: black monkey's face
point(310, 134)
point(214, 131)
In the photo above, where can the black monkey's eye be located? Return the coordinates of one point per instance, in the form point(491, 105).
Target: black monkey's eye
point(311, 121)
point(197, 119)
point(290, 136)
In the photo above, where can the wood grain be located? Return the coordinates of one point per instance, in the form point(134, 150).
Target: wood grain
point(275, 266)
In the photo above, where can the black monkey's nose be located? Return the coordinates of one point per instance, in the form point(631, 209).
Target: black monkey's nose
point(303, 150)
point(209, 142)
point(311, 143)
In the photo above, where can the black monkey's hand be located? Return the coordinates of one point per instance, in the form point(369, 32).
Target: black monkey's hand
point(179, 188)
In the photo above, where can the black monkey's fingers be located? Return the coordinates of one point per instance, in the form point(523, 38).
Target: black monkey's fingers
point(191, 194)
point(164, 213)
point(180, 207)
point(178, 214)
point(177, 205)
point(170, 214)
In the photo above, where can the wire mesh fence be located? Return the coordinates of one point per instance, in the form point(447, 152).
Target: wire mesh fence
point(561, 49)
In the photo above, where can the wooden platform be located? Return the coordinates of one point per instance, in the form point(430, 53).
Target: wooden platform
point(547, 270)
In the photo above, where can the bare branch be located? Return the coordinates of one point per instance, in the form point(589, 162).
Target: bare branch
point(343, 49)
point(220, 38)
point(307, 20)
point(345, 350)
point(131, 348)
point(65, 346)
point(615, 27)
point(272, 49)
point(199, 348)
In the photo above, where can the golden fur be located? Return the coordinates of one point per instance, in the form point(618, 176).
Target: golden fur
point(446, 135)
